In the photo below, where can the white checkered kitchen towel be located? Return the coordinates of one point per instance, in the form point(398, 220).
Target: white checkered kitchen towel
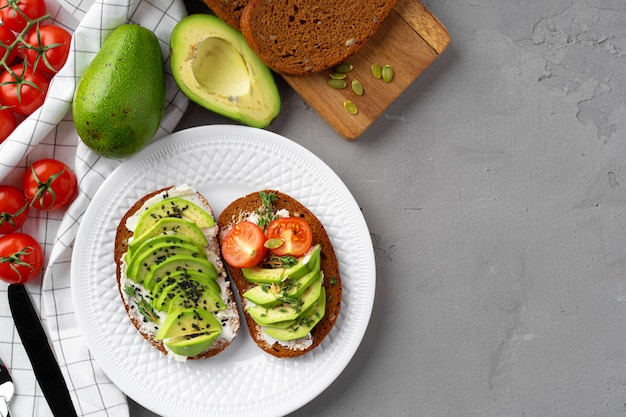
point(50, 133)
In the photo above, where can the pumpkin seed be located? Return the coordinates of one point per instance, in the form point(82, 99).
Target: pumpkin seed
point(338, 84)
point(350, 107)
point(357, 87)
point(376, 71)
point(344, 67)
point(337, 75)
point(273, 243)
point(387, 73)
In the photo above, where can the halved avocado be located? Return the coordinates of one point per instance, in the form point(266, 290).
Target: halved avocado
point(214, 66)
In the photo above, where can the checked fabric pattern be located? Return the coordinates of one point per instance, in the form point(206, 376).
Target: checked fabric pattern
point(50, 133)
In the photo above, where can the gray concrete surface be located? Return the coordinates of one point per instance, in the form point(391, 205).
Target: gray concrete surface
point(495, 193)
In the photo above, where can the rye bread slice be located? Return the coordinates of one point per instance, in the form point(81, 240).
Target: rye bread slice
point(240, 209)
point(123, 234)
point(296, 37)
point(227, 10)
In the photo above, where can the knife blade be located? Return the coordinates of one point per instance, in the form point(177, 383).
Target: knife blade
point(6, 390)
point(39, 352)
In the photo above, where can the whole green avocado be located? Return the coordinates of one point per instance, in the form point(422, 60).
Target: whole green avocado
point(119, 101)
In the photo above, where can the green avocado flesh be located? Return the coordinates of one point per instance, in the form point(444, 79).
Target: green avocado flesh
point(173, 207)
point(179, 263)
point(288, 302)
point(213, 65)
point(169, 226)
point(119, 100)
point(260, 275)
point(167, 256)
point(302, 326)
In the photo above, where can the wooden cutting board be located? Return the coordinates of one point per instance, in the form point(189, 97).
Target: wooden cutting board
point(409, 40)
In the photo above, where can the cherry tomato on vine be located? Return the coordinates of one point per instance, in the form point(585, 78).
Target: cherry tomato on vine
point(21, 258)
point(294, 232)
point(13, 209)
point(50, 185)
point(47, 48)
point(242, 247)
point(23, 90)
point(13, 19)
point(8, 122)
point(7, 37)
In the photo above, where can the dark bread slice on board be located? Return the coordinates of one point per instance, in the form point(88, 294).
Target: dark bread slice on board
point(239, 210)
point(227, 10)
point(122, 238)
point(298, 37)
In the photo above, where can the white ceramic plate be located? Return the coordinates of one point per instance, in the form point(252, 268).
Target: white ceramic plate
point(223, 163)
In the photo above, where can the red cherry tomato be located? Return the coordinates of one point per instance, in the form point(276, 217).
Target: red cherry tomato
point(13, 19)
point(294, 232)
point(6, 39)
point(21, 258)
point(8, 123)
point(23, 90)
point(50, 185)
point(47, 48)
point(13, 209)
point(242, 247)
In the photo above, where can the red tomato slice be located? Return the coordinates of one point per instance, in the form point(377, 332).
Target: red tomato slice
point(295, 234)
point(13, 209)
point(21, 258)
point(243, 245)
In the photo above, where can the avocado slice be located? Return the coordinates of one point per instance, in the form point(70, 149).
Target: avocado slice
point(173, 207)
point(287, 311)
point(169, 226)
point(213, 65)
point(187, 322)
point(305, 264)
point(302, 326)
point(191, 345)
point(208, 300)
point(191, 284)
point(143, 261)
point(269, 295)
point(177, 263)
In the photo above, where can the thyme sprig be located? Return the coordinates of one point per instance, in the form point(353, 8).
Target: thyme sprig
point(266, 212)
point(143, 306)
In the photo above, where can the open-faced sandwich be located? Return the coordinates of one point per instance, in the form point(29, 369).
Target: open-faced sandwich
point(171, 277)
point(284, 267)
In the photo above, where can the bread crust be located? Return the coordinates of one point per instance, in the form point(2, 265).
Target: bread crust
point(121, 247)
point(298, 37)
point(240, 209)
point(228, 10)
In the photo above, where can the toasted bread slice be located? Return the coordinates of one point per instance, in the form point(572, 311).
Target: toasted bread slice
point(228, 10)
point(298, 37)
point(229, 316)
point(246, 208)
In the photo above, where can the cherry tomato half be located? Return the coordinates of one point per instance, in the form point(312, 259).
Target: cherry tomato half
point(21, 258)
point(8, 122)
point(294, 232)
point(23, 90)
point(13, 19)
point(50, 185)
point(13, 209)
point(242, 247)
point(48, 48)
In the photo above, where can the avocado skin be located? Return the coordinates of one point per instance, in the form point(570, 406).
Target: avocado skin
point(120, 99)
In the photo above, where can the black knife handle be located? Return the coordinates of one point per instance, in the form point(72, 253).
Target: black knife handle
point(39, 352)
